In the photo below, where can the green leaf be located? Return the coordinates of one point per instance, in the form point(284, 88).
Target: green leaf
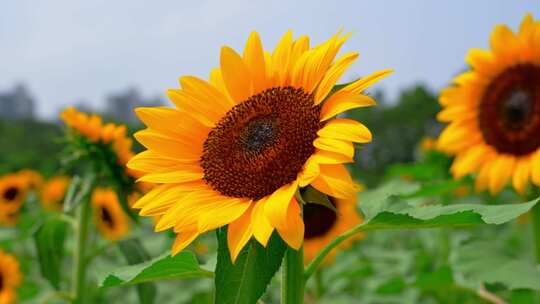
point(438, 188)
point(246, 280)
point(166, 267)
point(484, 261)
point(49, 240)
point(134, 252)
point(437, 279)
point(314, 196)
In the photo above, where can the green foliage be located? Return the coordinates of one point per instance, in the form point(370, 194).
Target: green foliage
point(49, 240)
point(246, 280)
point(134, 252)
point(165, 267)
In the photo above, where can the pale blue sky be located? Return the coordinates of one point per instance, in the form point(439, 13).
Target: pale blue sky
point(69, 50)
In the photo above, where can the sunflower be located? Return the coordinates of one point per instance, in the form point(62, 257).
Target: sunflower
point(10, 278)
point(323, 225)
point(32, 179)
point(92, 128)
point(236, 148)
point(109, 217)
point(493, 111)
point(53, 192)
point(12, 193)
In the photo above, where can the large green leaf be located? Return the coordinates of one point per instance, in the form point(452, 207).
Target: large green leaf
point(166, 267)
point(246, 280)
point(134, 252)
point(49, 240)
point(384, 209)
point(485, 262)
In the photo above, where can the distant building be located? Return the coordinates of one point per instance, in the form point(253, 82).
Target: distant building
point(17, 103)
point(119, 106)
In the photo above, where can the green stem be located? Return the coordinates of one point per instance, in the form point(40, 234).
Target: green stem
point(292, 284)
point(535, 213)
point(319, 284)
point(79, 274)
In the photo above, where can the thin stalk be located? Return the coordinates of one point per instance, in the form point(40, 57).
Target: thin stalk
point(79, 273)
point(292, 283)
point(319, 284)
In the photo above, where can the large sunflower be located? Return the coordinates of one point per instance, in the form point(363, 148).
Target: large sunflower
point(12, 192)
point(322, 225)
point(237, 147)
point(10, 278)
point(493, 111)
point(53, 192)
point(109, 217)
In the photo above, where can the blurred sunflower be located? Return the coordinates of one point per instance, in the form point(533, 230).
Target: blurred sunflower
point(92, 128)
point(31, 178)
point(323, 225)
point(109, 217)
point(12, 193)
point(237, 147)
point(10, 278)
point(493, 111)
point(53, 192)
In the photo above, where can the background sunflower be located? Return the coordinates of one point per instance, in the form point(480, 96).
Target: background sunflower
point(10, 278)
point(109, 218)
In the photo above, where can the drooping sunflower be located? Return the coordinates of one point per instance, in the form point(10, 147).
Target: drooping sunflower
point(31, 178)
point(493, 111)
point(322, 225)
point(236, 148)
point(12, 192)
point(109, 217)
point(10, 278)
point(53, 192)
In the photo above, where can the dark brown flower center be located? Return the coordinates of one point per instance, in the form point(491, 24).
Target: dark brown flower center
point(262, 143)
point(107, 218)
point(318, 219)
point(11, 194)
point(1, 281)
point(509, 116)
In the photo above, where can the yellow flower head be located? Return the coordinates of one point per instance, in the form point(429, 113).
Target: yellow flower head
point(237, 147)
point(32, 179)
point(53, 192)
point(493, 111)
point(12, 193)
point(10, 278)
point(323, 225)
point(109, 217)
point(91, 127)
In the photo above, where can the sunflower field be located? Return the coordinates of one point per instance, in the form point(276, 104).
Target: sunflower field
point(277, 180)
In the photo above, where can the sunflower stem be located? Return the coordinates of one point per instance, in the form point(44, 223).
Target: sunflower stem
point(535, 213)
point(292, 282)
point(79, 269)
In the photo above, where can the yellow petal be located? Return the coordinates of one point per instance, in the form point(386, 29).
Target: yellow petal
point(223, 212)
point(457, 112)
point(360, 85)
point(309, 172)
point(184, 173)
point(292, 232)
point(346, 129)
point(239, 233)
point(343, 101)
point(332, 76)
point(254, 59)
point(276, 206)
point(173, 147)
point(262, 230)
point(186, 210)
point(500, 172)
point(469, 161)
point(502, 39)
point(345, 148)
point(182, 240)
point(281, 57)
point(236, 75)
point(327, 157)
point(189, 104)
point(167, 198)
point(521, 175)
point(206, 93)
point(483, 177)
point(335, 181)
point(535, 168)
point(150, 161)
point(150, 196)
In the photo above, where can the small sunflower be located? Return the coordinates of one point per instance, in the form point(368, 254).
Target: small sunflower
point(31, 178)
point(323, 225)
point(109, 217)
point(53, 192)
point(12, 193)
point(236, 148)
point(10, 278)
point(493, 111)
point(92, 128)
